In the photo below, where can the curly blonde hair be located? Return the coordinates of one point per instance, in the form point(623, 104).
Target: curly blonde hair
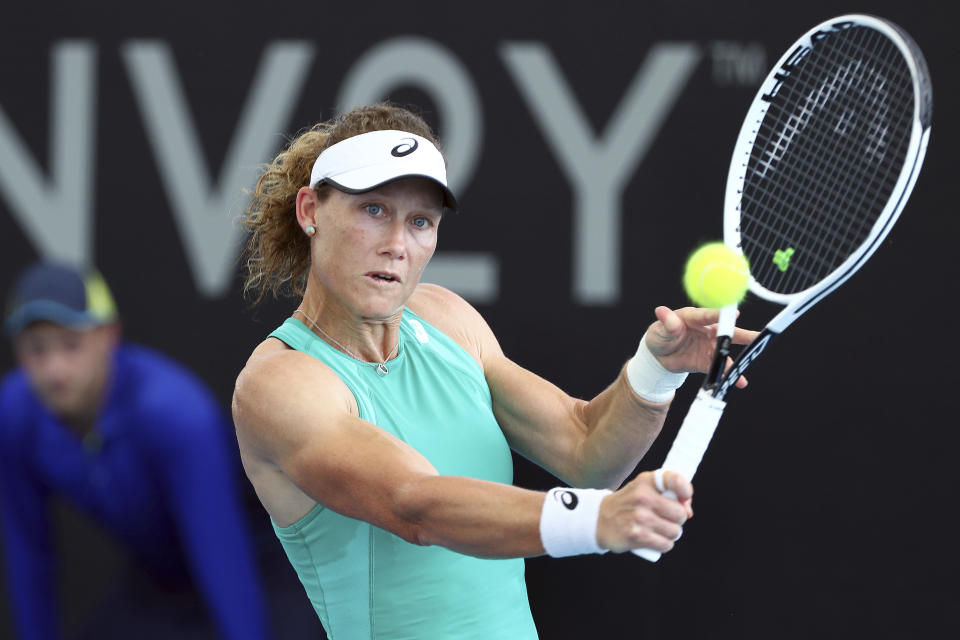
point(277, 252)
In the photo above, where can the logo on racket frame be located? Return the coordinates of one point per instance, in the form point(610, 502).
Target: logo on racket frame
point(745, 360)
point(792, 62)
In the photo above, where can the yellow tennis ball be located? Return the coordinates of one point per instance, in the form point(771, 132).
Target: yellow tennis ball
point(716, 276)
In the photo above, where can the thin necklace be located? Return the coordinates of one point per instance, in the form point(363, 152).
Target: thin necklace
point(381, 367)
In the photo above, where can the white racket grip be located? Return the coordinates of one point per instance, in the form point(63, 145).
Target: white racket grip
point(694, 435)
point(688, 447)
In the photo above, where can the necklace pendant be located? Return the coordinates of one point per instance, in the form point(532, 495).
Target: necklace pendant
point(382, 369)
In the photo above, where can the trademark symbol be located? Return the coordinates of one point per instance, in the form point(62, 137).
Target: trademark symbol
point(738, 64)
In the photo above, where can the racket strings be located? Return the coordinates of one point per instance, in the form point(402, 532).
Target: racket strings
point(840, 154)
point(832, 185)
point(852, 193)
point(826, 158)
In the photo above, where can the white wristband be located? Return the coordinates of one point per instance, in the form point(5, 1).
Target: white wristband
point(650, 379)
point(568, 522)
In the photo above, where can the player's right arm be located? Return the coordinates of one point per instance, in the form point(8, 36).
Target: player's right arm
point(294, 414)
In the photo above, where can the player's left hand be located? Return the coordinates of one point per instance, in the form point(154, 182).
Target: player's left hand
point(684, 339)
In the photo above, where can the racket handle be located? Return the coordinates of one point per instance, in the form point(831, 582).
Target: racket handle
point(651, 554)
point(688, 447)
point(647, 554)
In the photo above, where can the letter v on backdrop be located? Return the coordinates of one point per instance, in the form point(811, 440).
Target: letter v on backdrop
point(55, 210)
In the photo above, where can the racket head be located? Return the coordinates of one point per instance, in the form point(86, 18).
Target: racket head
point(826, 158)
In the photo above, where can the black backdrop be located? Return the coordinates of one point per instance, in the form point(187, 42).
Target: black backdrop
point(826, 504)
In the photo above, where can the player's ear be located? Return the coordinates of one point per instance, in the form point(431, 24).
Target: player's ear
point(307, 206)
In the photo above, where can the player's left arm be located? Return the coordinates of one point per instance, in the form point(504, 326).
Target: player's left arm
point(586, 444)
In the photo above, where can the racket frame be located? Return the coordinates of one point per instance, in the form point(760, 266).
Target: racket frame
point(796, 304)
point(709, 404)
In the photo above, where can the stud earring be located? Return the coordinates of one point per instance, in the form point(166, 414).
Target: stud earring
point(310, 230)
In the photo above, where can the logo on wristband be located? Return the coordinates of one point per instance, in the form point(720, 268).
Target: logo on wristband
point(569, 499)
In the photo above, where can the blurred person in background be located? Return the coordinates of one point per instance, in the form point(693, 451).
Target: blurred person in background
point(140, 445)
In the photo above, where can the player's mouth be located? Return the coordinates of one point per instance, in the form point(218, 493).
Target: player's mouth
point(383, 277)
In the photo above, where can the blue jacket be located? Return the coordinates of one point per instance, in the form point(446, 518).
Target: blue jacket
point(162, 480)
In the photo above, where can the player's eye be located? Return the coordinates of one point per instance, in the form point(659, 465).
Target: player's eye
point(374, 209)
point(421, 223)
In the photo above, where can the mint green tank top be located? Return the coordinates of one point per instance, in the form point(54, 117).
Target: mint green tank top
point(364, 582)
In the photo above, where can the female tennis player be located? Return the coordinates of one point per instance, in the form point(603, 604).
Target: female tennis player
point(376, 422)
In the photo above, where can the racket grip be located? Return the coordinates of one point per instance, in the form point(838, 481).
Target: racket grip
point(649, 555)
point(688, 447)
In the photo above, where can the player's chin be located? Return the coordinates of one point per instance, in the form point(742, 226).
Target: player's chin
point(384, 305)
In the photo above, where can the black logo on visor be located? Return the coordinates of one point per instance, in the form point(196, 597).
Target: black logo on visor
point(405, 149)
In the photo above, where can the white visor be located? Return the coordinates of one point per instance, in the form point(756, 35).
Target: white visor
point(369, 160)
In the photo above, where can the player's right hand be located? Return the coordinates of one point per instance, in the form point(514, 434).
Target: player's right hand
point(638, 516)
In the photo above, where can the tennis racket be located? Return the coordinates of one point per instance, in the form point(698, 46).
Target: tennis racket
point(825, 161)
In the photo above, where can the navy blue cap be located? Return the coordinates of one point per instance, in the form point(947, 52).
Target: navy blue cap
point(59, 294)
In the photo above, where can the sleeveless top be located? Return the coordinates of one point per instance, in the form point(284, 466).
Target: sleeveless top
point(365, 582)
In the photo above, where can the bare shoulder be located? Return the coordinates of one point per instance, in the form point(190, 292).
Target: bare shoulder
point(440, 307)
point(274, 364)
point(456, 317)
point(430, 297)
point(275, 380)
